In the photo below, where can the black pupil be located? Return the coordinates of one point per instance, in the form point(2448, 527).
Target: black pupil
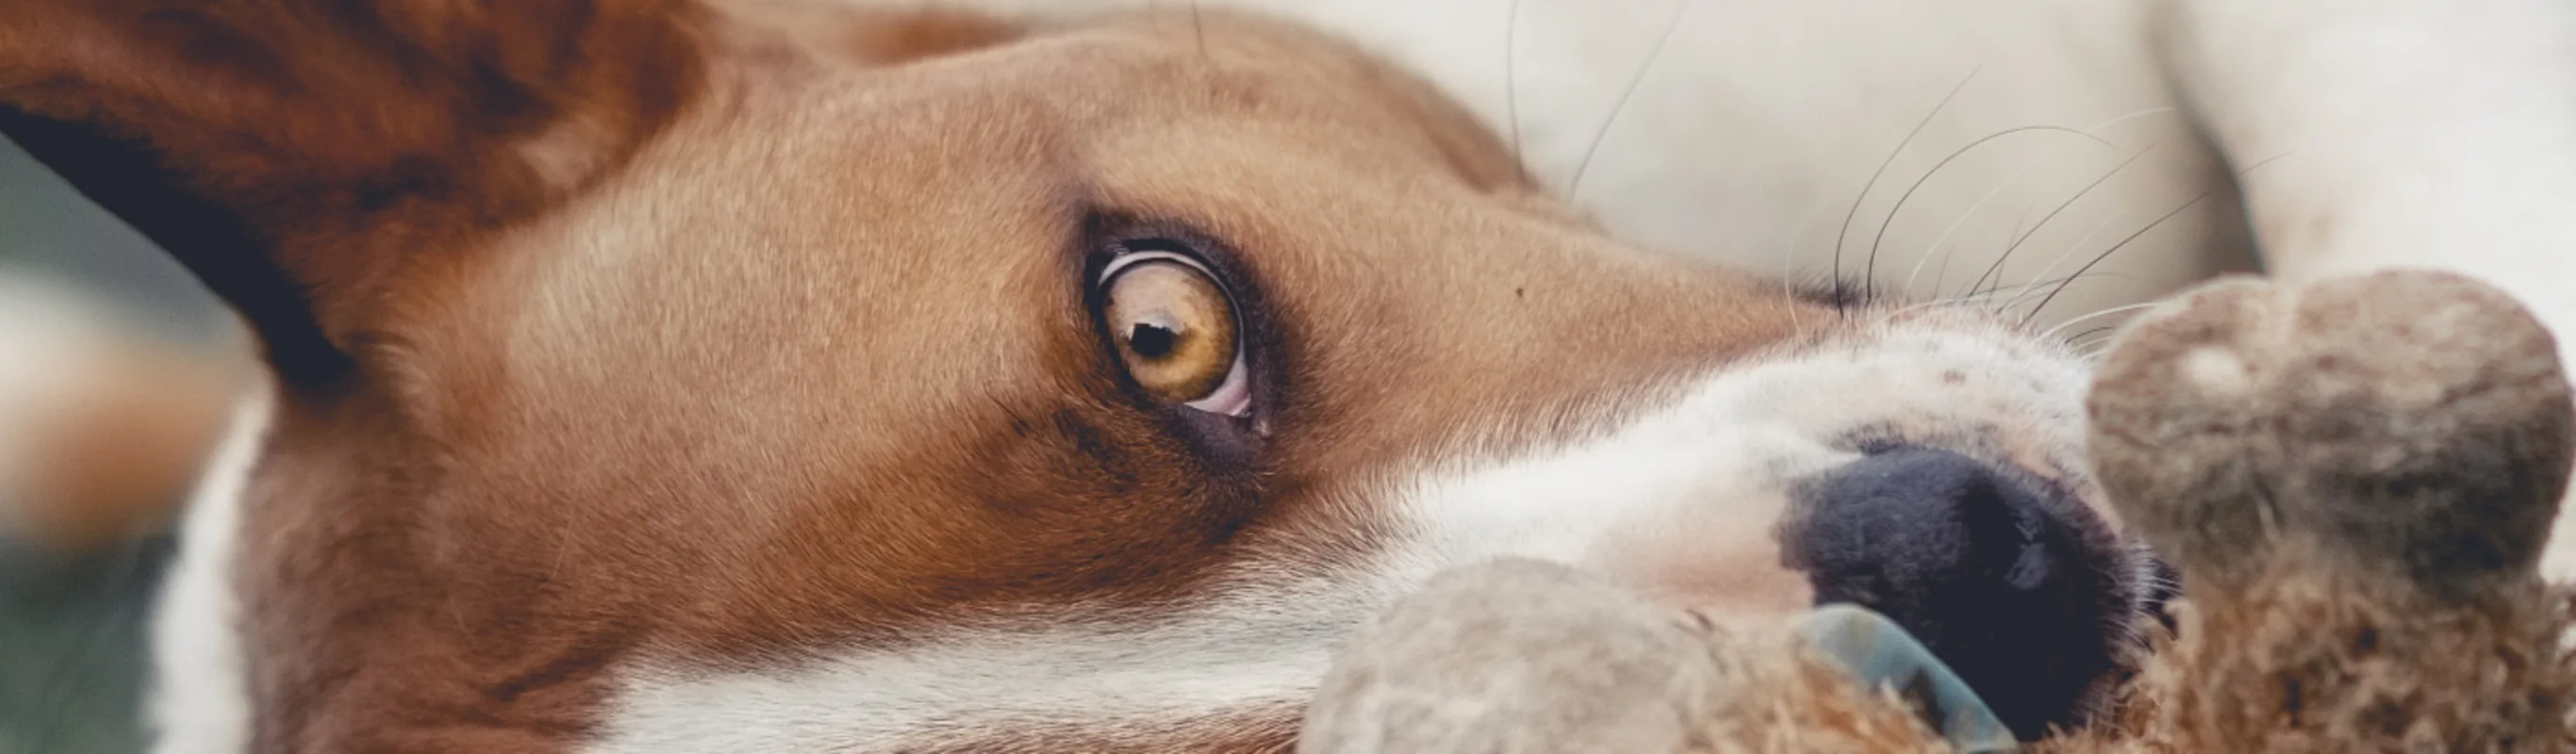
point(1151, 341)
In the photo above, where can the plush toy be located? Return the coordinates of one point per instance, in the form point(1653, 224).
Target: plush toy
point(2354, 478)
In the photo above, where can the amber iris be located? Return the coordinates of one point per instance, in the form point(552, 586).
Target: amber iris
point(1174, 328)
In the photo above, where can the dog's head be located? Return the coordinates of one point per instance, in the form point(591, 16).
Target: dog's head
point(766, 376)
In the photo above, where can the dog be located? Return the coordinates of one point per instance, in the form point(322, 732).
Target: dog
point(663, 375)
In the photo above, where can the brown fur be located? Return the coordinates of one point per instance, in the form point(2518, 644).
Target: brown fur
point(360, 140)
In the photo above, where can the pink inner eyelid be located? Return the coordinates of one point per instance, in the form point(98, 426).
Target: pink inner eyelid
point(1233, 397)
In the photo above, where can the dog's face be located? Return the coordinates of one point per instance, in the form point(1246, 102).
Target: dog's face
point(712, 378)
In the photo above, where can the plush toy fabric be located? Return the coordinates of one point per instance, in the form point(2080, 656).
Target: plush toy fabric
point(2354, 479)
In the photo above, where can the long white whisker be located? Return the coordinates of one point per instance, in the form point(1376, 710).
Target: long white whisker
point(2097, 127)
point(1788, 283)
point(1963, 218)
point(1943, 275)
point(2023, 221)
point(1511, 81)
point(1845, 232)
point(1870, 269)
point(1969, 298)
point(2092, 344)
point(2102, 313)
point(2252, 166)
point(2071, 250)
point(2151, 225)
point(1996, 268)
point(1574, 186)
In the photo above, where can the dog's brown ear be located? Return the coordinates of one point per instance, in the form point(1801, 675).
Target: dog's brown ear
point(301, 155)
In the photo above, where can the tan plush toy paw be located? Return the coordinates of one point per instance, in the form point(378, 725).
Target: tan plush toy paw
point(2414, 424)
point(1526, 656)
point(2355, 479)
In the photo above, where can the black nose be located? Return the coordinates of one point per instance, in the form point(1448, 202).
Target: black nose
point(2014, 586)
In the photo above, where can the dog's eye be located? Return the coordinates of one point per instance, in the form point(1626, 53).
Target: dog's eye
point(1174, 327)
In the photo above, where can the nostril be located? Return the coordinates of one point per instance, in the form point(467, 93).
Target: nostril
point(1895, 522)
point(2004, 535)
point(1995, 574)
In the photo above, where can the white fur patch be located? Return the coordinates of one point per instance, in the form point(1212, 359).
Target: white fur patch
point(1242, 651)
point(200, 696)
point(1715, 465)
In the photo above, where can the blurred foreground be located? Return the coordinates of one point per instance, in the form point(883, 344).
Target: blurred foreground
point(111, 358)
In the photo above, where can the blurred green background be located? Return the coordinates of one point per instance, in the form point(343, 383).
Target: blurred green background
point(72, 657)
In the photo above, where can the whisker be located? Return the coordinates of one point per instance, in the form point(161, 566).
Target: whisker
point(2106, 253)
point(1511, 80)
point(2091, 332)
point(1933, 304)
point(2117, 120)
point(2022, 290)
point(2116, 310)
point(1961, 300)
point(2018, 235)
point(2008, 181)
point(2023, 221)
point(2097, 340)
point(2018, 223)
point(1997, 267)
point(1871, 269)
point(2259, 163)
point(1198, 27)
point(1574, 187)
point(1789, 283)
point(1941, 273)
point(2025, 289)
point(1840, 235)
point(1926, 258)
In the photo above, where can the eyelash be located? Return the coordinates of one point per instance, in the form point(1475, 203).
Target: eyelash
point(1843, 293)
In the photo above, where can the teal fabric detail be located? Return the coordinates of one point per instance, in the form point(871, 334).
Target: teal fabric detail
point(1879, 653)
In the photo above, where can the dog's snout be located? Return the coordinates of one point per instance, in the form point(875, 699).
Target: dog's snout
point(1986, 566)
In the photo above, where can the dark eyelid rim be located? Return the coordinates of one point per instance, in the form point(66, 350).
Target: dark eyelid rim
point(1159, 248)
point(1234, 440)
point(1112, 236)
